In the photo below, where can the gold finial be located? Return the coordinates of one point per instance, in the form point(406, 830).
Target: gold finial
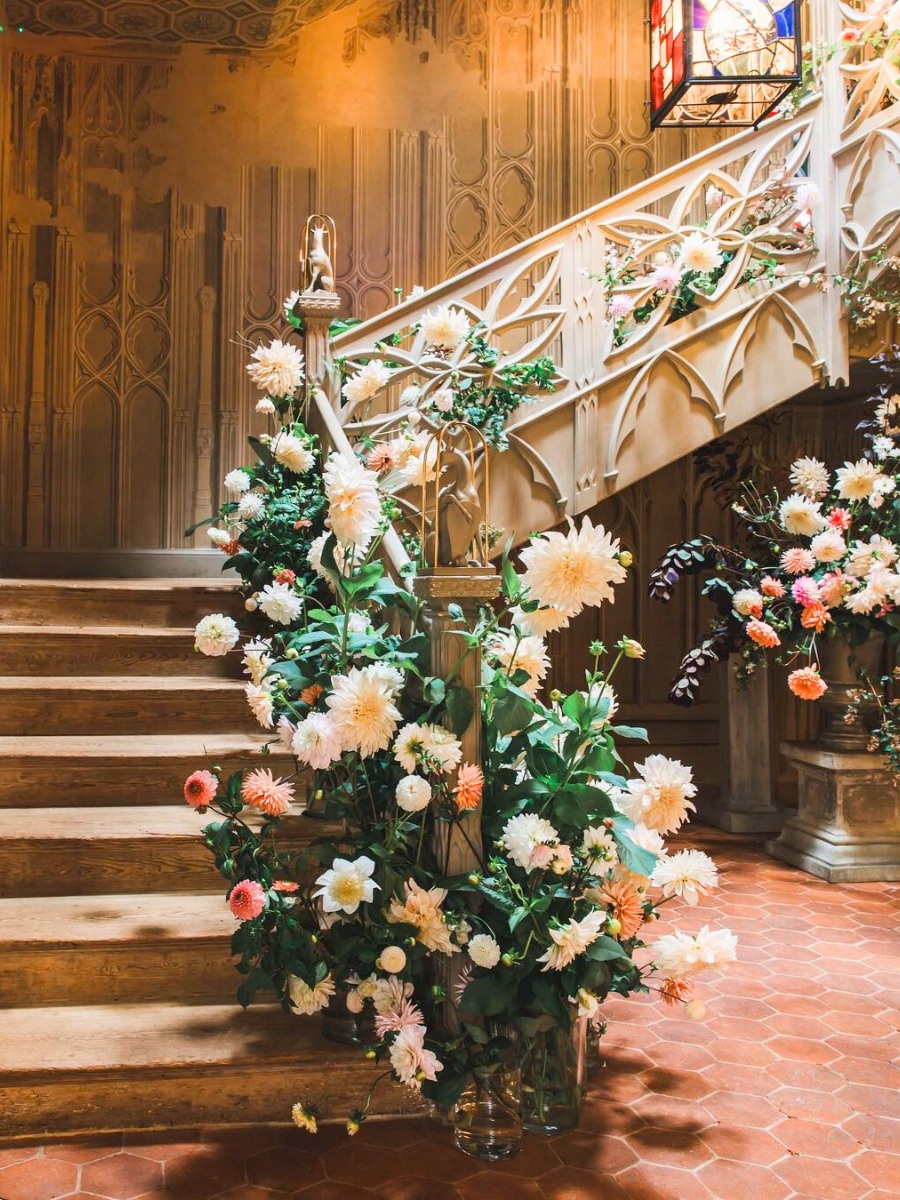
point(459, 538)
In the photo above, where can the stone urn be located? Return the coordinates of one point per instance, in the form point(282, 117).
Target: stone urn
point(840, 664)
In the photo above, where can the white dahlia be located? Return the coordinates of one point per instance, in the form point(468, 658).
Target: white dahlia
point(251, 506)
point(280, 603)
point(879, 551)
point(523, 654)
point(540, 622)
point(680, 955)
point(316, 741)
point(801, 516)
point(218, 537)
point(568, 571)
point(346, 885)
point(363, 711)
point(411, 1062)
point(413, 793)
point(855, 481)
point(689, 874)
point(256, 660)
point(599, 848)
point(261, 703)
point(484, 951)
point(390, 677)
point(745, 600)
point(354, 506)
point(417, 458)
point(661, 797)
point(237, 482)
point(525, 833)
point(571, 940)
point(828, 546)
point(277, 368)
point(699, 253)
point(810, 477)
point(366, 382)
point(307, 1001)
point(292, 452)
point(215, 635)
point(445, 327)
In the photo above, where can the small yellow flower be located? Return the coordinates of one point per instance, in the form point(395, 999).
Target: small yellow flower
point(304, 1118)
point(631, 648)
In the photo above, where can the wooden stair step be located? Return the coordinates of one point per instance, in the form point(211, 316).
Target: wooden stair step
point(174, 602)
point(99, 851)
point(113, 769)
point(120, 704)
point(117, 948)
point(117, 1067)
point(29, 650)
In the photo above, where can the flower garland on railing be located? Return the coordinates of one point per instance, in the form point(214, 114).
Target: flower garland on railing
point(573, 866)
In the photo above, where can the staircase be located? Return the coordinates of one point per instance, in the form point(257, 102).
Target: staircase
point(115, 974)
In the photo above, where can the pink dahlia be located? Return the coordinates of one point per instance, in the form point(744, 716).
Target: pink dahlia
point(619, 307)
point(382, 457)
point(392, 1022)
point(665, 278)
point(247, 899)
point(271, 796)
point(200, 789)
point(839, 518)
point(806, 591)
point(285, 576)
point(797, 561)
point(773, 588)
point(763, 634)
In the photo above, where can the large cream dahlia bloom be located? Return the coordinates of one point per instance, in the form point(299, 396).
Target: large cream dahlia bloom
point(679, 955)
point(445, 327)
point(699, 253)
point(573, 939)
point(277, 369)
point(362, 711)
point(662, 794)
point(367, 381)
point(523, 654)
point(215, 635)
point(354, 506)
point(292, 452)
point(689, 874)
point(421, 907)
point(570, 570)
point(801, 516)
point(316, 741)
point(855, 481)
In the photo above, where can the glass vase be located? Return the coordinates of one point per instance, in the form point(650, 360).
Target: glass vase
point(487, 1119)
point(553, 1073)
point(341, 1025)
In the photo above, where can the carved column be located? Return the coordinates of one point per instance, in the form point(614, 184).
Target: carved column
point(233, 355)
point(35, 509)
point(433, 251)
point(746, 802)
point(204, 494)
point(62, 388)
point(15, 355)
point(187, 274)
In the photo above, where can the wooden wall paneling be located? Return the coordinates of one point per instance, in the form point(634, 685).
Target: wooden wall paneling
point(35, 501)
point(15, 358)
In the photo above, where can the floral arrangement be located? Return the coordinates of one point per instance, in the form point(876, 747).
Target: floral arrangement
point(444, 974)
point(822, 563)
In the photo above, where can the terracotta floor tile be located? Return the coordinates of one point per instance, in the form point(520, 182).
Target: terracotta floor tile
point(731, 1180)
point(816, 1177)
point(206, 1172)
point(489, 1185)
point(737, 1109)
point(879, 1101)
point(247, 1191)
point(570, 1183)
point(38, 1179)
point(878, 1169)
point(645, 1181)
point(328, 1190)
point(16, 1155)
point(439, 1159)
point(740, 1144)
point(810, 1105)
point(371, 1168)
point(286, 1168)
point(412, 1188)
point(814, 1139)
point(85, 1150)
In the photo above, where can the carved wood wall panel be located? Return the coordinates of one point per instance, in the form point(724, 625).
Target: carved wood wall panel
point(152, 198)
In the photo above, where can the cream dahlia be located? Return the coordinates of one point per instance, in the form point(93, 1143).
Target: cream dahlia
point(524, 834)
point(571, 570)
point(484, 951)
point(292, 452)
point(699, 253)
point(599, 848)
point(363, 711)
point(571, 940)
point(413, 793)
point(277, 368)
point(237, 482)
point(261, 703)
point(810, 477)
point(215, 635)
point(680, 955)
point(828, 546)
point(445, 327)
point(354, 506)
point(251, 506)
point(316, 741)
point(411, 1062)
point(541, 621)
point(280, 603)
point(366, 382)
point(855, 481)
point(527, 654)
point(689, 874)
point(801, 516)
point(661, 796)
point(421, 907)
point(307, 1001)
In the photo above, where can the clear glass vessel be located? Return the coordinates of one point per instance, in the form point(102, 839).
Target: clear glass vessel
point(487, 1119)
point(553, 1074)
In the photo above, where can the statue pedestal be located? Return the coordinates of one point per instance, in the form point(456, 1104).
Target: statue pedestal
point(847, 827)
point(745, 801)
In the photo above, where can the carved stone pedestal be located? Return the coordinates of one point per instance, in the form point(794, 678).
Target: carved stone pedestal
point(745, 802)
point(847, 827)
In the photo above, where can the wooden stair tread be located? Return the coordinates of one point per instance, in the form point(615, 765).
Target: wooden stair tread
point(134, 747)
point(45, 922)
point(152, 583)
point(118, 683)
point(139, 1038)
point(137, 822)
point(173, 632)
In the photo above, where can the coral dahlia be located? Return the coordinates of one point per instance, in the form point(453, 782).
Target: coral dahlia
point(247, 899)
point(271, 796)
point(200, 789)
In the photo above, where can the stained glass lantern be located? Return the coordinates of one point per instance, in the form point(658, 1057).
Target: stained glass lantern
point(721, 62)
